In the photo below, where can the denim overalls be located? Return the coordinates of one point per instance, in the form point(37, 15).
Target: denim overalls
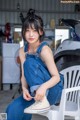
point(15, 110)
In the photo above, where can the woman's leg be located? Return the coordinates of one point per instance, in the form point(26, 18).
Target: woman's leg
point(15, 110)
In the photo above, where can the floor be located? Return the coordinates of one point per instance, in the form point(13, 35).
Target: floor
point(6, 97)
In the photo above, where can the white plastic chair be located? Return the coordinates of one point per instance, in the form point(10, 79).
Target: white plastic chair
point(70, 99)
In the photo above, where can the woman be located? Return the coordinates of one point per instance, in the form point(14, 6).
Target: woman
point(36, 92)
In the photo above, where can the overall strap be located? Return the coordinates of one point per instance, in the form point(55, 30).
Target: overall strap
point(26, 47)
point(41, 46)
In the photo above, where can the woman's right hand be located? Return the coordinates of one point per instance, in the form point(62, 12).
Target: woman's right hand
point(26, 94)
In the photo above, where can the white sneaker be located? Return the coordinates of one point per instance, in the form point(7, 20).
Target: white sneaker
point(38, 107)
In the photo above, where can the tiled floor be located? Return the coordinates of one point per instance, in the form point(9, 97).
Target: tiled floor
point(6, 98)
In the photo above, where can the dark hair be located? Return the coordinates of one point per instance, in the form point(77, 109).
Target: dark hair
point(30, 20)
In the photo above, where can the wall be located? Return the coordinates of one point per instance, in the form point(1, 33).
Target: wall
point(48, 9)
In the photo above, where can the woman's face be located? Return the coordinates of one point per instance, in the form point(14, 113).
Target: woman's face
point(32, 35)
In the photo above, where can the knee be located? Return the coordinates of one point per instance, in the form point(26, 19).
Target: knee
point(18, 105)
point(11, 107)
point(14, 105)
point(15, 110)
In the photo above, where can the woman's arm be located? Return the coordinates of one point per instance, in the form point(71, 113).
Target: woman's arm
point(47, 57)
point(22, 59)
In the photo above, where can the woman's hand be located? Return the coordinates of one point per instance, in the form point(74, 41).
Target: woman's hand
point(40, 93)
point(26, 94)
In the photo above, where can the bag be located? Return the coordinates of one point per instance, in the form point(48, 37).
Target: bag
point(36, 72)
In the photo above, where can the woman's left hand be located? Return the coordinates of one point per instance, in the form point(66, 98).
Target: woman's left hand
point(40, 93)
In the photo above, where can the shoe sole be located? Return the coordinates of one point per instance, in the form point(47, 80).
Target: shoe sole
point(37, 111)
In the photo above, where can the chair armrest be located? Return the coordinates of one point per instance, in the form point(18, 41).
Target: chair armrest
point(63, 98)
point(71, 89)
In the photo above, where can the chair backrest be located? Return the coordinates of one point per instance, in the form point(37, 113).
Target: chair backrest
point(72, 79)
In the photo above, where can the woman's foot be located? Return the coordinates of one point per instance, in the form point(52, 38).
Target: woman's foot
point(38, 107)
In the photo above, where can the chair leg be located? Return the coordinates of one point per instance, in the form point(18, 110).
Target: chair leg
point(52, 116)
point(77, 118)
